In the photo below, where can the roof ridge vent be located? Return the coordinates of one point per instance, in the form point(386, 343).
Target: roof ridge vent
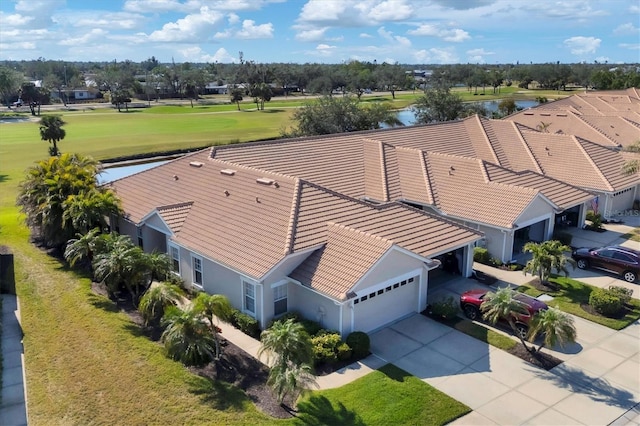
point(228, 172)
point(196, 164)
point(265, 181)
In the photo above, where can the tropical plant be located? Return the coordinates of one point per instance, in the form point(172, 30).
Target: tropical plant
point(90, 209)
point(159, 265)
point(290, 379)
point(81, 248)
point(438, 104)
point(122, 264)
point(51, 130)
point(286, 341)
point(155, 301)
point(503, 305)
point(187, 337)
point(212, 306)
point(44, 196)
point(547, 256)
point(555, 327)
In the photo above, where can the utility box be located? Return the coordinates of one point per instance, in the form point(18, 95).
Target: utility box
point(7, 274)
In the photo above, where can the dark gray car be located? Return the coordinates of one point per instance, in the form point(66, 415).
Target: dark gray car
point(619, 260)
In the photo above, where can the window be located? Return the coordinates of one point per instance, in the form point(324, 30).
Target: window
point(197, 270)
point(280, 299)
point(139, 233)
point(174, 252)
point(249, 297)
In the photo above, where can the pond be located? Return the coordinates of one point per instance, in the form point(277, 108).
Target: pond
point(407, 117)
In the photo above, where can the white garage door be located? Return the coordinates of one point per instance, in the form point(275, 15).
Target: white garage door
point(622, 200)
point(383, 306)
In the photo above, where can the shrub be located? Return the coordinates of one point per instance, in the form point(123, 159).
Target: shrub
point(563, 236)
point(325, 347)
point(344, 352)
point(481, 255)
point(359, 343)
point(606, 302)
point(494, 261)
point(311, 327)
point(446, 308)
point(248, 325)
point(595, 219)
point(295, 316)
point(623, 293)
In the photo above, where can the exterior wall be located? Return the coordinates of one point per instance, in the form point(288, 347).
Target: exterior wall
point(498, 242)
point(621, 201)
point(152, 240)
point(124, 227)
point(537, 211)
point(314, 306)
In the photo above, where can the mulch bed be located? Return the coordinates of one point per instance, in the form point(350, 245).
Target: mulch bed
point(542, 360)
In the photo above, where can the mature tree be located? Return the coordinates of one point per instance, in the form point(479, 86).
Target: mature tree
point(554, 327)
point(51, 131)
point(474, 108)
point(155, 301)
point(503, 305)
point(10, 81)
point(438, 104)
point(236, 96)
point(121, 96)
point(507, 106)
point(261, 93)
point(290, 380)
point(328, 115)
point(187, 337)
point(47, 187)
point(159, 265)
point(546, 257)
point(121, 265)
point(89, 209)
point(34, 97)
point(390, 77)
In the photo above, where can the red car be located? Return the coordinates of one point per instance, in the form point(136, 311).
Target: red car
point(471, 300)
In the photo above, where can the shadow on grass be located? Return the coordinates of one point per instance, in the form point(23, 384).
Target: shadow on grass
point(272, 111)
point(103, 303)
point(4, 178)
point(220, 395)
point(318, 410)
point(596, 388)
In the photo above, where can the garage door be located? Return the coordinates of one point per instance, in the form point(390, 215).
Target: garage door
point(378, 308)
point(622, 200)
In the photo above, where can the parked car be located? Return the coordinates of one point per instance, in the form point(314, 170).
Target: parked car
point(619, 260)
point(471, 300)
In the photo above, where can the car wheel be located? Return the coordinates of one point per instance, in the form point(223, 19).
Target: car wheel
point(472, 312)
point(583, 263)
point(629, 276)
point(522, 331)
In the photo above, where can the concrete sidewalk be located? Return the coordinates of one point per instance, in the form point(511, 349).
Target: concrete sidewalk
point(13, 411)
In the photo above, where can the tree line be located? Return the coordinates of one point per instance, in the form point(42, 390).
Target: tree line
point(151, 79)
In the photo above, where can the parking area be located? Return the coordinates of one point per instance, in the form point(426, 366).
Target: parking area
point(599, 382)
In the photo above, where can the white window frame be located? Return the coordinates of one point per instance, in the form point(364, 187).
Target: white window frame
point(246, 285)
point(195, 270)
point(277, 298)
point(174, 259)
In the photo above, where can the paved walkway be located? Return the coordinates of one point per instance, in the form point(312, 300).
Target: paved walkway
point(13, 410)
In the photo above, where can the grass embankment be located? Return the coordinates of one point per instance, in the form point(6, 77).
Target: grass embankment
point(571, 295)
point(388, 396)
point(86, 363)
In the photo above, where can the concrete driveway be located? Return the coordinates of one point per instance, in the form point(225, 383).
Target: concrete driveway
point(599, 382)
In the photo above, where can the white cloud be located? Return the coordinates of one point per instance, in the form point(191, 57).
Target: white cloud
point(233, 19)
point(22, 45)
point(455, 35)
point(315, 34)
point(464, 4)
point(102, 19)
point(251, 31)
point(38, 12)
point(97, 34)
point(582, 45)
point(196, 54)
point(355, 13)
point(197, 26)
point(325, 49)
point(626, 29)
point(390, 11)
point(630, 46)
point(15, 20)
point(434, 55)
point(365, 35)
point(160, 6)
point(388, 35)
point(478, 55)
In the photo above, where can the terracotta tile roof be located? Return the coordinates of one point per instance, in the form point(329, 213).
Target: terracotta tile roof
point(609, 163)
point(249, 219)
point(336, 267)
point(413, 173)
point(559, 193)
point(174, 215)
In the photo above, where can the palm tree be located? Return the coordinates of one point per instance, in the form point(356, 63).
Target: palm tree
point(81, 248)
point(119, 265)
point(187, 337)
point(159, 265)
point(212, 306)
point(503, 305)
point(555, 326)
point(51, 130)
point(290, 379)
point(547, 256)
point(288, 342)
point(89, 209)
point(155, 301)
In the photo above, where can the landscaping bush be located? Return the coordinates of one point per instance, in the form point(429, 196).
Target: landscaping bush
point(295, 316)
point(481, 255)
point(311, 327)
point(359, 343)
point(325, 347)
point(344, 352)
point(563, 236)
point(595, 219)
point(495, 262)
point(446, 309)
point(606, 301)
point(248, 325)
point(623, 293)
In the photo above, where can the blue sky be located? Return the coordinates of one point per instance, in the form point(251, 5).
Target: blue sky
point(327, 31)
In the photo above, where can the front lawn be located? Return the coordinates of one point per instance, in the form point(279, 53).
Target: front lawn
point(570, 295)
point(389, 396)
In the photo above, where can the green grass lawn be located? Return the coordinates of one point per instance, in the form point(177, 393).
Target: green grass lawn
point(571, 294)
point(388, 396)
